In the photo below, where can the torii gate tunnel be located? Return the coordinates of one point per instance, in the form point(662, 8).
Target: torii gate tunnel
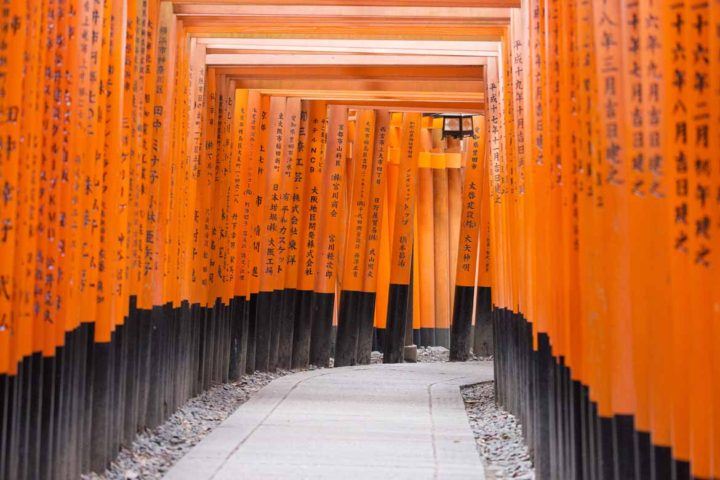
point(191, 190)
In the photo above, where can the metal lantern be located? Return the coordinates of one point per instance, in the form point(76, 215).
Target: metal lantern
point(456, 125)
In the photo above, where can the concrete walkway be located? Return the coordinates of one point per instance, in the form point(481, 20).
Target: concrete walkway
point(379, 421)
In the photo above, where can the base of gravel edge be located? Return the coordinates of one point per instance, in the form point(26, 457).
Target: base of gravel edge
point(498, 435)
point(154, 452)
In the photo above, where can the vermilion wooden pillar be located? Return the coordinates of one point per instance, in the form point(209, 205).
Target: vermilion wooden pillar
point(402, 248)
point(331, 213)
point(352, 294)
point(474, 196)
point(377, 211)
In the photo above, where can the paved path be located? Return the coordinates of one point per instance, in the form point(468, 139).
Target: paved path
point(379, 421)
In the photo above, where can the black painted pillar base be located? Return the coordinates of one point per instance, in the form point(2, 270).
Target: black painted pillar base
point(427, 337)
point(102, 407)
point(287, 328)
point(644, 454)
point(47, 460)
point(483, 331)
point(348, 328)
point(461, 328)
point(398, 297)
point(276, 313)
point(378, 342)
point(366, 323)
point(302, 330)
point(153, 347)
point(442, 337)
point(661, 463)
point(252, 333)
point(263, 330)
point(238, 338)
point(624, 447)
point(681, 470)
point(321, 331)
point(416, 340)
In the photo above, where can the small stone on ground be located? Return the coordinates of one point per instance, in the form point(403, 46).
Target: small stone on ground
point(498, 435)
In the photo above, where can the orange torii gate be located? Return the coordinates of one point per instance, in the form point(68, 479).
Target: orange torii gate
point(170, 219)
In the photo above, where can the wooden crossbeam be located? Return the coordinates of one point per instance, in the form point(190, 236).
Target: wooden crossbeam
point(389, 95)
point(384, 3)
point(286, 49)
point(305, 59)
point(491, 15)
point(366, 72)
point(308, 27)
point(414, 106)
point(360, 84)
point(435, 45)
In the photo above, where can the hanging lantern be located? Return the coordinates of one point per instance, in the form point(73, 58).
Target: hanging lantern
point(456, 125)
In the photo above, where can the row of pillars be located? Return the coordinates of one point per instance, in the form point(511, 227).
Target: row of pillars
point(162, 231)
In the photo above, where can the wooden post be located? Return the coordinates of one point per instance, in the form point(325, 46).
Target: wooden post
point(441, 237)
point(251, 185)
point(289, 210)
point(312, 157)
point(351, 299)
point(376, 212)
point(399, 291)
point(331, 212)
point(237, 246)
point(474, 197)
point(269, 169)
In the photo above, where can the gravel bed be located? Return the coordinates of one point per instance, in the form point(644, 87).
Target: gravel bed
point(498, 435)
point(430, 355)
point(155, 451)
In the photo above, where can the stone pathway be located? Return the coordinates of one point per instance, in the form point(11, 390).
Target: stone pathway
point(378, 421)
